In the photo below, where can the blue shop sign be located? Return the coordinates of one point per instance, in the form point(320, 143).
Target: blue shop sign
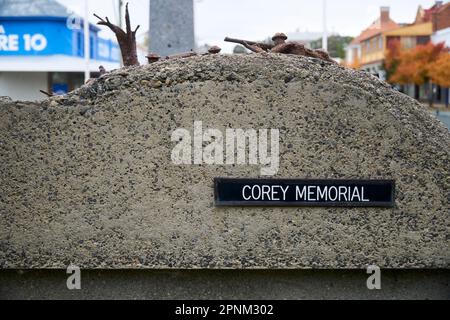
point(35, 36)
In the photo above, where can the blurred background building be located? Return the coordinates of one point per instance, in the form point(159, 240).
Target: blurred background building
point(42, 48)
point(440, 19)
point(368, 51)
point(368, 48)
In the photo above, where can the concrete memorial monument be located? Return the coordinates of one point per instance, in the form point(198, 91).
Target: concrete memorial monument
point(150, 168)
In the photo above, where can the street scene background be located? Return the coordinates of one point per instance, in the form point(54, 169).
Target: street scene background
point(404, 42)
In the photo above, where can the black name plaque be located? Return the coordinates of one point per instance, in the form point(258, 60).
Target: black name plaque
point(303, 192)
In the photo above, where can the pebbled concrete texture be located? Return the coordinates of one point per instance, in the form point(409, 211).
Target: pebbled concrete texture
point(87, 178)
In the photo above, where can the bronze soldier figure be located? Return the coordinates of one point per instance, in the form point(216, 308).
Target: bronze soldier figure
point(286, 47)
point(214, 50)
point(278, 39)
point(152, 57)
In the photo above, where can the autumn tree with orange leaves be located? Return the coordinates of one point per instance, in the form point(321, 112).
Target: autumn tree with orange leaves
point(420, 65)
point(392, 59)
point(440, 73)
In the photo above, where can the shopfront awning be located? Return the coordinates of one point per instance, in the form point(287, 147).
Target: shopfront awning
point(51, 63)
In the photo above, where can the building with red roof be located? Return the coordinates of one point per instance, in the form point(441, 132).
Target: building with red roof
point(369, 47)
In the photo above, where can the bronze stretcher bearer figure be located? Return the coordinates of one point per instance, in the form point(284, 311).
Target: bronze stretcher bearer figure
point(282, 46)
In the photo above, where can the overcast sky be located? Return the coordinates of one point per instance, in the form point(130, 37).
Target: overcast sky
point(258, 19)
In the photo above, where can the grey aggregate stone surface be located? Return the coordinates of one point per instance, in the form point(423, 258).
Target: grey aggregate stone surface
point(87, 178)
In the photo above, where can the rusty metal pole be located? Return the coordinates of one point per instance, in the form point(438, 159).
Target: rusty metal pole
point(325, 32)
point(87, 70)
point(120, 4)
point(120, 13)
